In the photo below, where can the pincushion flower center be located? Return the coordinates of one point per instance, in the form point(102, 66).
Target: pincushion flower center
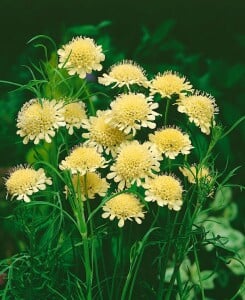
point(39, 118)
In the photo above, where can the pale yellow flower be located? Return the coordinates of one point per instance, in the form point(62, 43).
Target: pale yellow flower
point(89, 185)
point(124, 207)
point(171, 142)
point(126, 73)
point(81, 56)
point(200, 109)
point(129, 112)
point(165, 190)
point(168, 84)
point(194, 173)
point(83, 159)
point(74, 115)
point(102, 134)
point(25, 181)
point(134, 162)
point(39, 119)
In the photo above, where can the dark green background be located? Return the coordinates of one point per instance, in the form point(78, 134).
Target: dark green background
point(210, 27)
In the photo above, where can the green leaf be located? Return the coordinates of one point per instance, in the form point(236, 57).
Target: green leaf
point(236, 264)
point(208, 277)
point(222, 198)
point(231, 211)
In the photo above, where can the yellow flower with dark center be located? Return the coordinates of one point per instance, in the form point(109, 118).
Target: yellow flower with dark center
point(171, 142)
point(168, 84)
point(123, 207)
point(165, 190)
point(134, 162)
point(89, 185)
point(81, 56)
point(200, 109)
point(25, 181)
point(129, 112)
point(102, 134)
point(195, 174)
point(39, 120)
point(74, 115)
point(126, 73)
point(83, 159)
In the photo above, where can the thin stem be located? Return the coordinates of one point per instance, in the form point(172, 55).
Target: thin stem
point(198, 270)
point(166, 111)
point(118, 260)
point(166, 255)
point(184, 227)
point(94, 254)
point(90, 101)
point(179, 283)
point(78, 207)
point(137, 263)
point(171, 284)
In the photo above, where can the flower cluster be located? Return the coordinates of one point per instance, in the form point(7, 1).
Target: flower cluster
point(127, 139)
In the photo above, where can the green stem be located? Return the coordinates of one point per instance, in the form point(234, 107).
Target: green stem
point(166, 256)
point(166, 111)
point(171, 284)
point(131, 278)
point(118, 261)
point(94, 254)
point(80, 216)
point(179, 283)
point(198, 270)
point(90, 101)
point(185, 225)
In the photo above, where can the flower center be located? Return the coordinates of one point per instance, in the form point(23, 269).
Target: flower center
point(104, 134)
point(166, 187)
point(83, 158)
point(126, 73)
point(82, 53)
point(124, 206)
point(169, 83)
point(74, 112)
point(22, 180)
point(133, 162)
point(130, 109)
point(37, 119)
point(169, 139)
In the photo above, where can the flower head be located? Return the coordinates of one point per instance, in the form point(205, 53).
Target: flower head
point(200, 109)
point(195, 174)
point(134, 162)
point(165, 190)
point(81, 56)
point(171, 142)
point(102, 134)
point(129, 112)
point(89, 185)
point(83, 159)
point(170, 83)
point(25, 181)
point(126, 73)
point(38, 120)
point(74, 115)
point(124, 207)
